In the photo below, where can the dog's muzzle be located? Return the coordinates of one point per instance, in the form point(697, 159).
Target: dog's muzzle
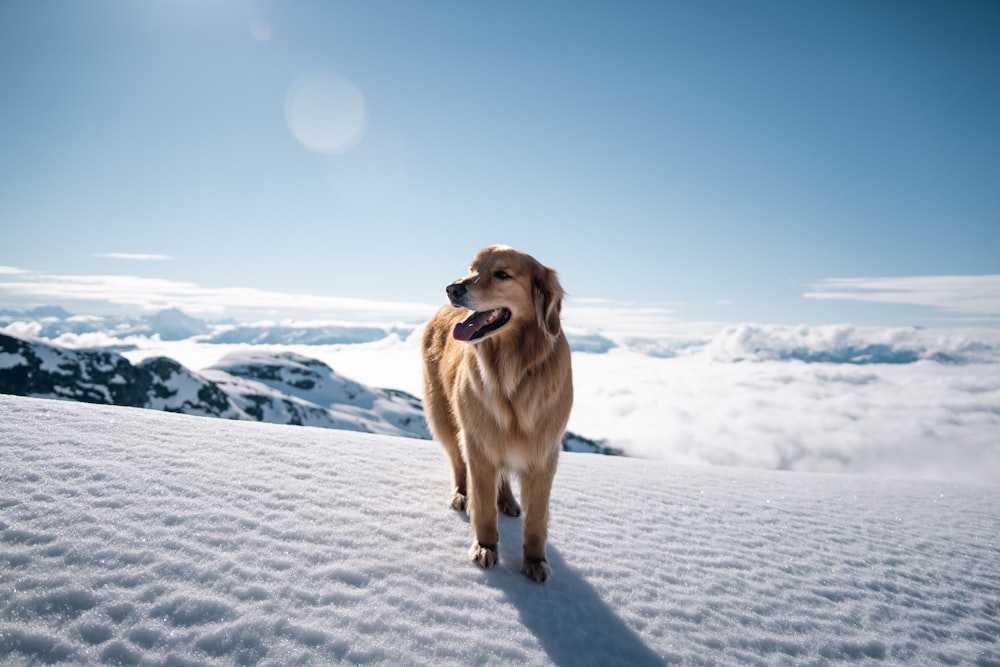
point(456, 293)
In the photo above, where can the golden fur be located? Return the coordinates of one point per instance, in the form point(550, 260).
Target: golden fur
point(499, 402)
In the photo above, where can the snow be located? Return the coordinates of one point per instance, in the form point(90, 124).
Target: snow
point(137, 537)
point(8, 360)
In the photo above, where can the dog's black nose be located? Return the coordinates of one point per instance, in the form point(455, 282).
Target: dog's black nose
point(455, 291)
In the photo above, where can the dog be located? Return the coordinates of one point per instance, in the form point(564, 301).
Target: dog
point(498, 390)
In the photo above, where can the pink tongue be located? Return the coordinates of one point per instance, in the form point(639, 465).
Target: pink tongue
point(464, 331)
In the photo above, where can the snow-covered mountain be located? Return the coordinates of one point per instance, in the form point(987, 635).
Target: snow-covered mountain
point(287, 388)
point(171, 325)
point(281, 388)
point(35, 368)
point(140, 537)
point(288, 334)
point(52, 322)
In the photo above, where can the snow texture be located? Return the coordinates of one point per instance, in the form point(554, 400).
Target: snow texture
point(138, 537)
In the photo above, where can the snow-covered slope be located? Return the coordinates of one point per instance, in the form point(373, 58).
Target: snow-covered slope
point(138, 537)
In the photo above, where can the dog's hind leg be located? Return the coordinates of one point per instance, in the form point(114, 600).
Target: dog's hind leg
point(459, 474)
point(505, 498)
point(443, 428)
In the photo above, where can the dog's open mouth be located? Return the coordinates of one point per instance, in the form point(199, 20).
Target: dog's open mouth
point(478, 325)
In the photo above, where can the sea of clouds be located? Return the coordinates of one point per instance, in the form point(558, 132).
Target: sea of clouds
point(898, 402)
point(894, 402)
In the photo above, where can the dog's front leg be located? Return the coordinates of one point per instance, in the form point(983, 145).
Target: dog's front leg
point(536, 486)
point(482, 506)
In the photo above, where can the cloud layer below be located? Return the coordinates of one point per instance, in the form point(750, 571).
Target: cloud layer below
point(893, 402)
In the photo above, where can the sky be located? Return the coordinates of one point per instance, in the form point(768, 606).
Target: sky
point(716, 161)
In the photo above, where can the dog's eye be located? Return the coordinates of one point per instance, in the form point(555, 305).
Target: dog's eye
point(501, 275)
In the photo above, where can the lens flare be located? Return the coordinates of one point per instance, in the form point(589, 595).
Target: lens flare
point(326, 113)
point(260, 30)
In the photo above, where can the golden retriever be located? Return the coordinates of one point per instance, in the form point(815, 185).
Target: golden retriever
point(498, 390)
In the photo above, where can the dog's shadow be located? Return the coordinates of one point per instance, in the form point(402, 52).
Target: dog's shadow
point(566, 614)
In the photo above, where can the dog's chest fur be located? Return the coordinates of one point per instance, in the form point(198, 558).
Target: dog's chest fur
point(520, 392)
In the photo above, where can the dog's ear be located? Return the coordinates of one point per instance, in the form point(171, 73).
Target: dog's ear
point(547, 295)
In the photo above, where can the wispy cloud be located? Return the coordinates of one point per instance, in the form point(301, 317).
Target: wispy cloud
point(28, 288)
point(968, 295)
point(133, 256)
point(617, 316)
point(21, 288)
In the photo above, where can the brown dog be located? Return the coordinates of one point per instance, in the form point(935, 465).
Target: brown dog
point(498, 390)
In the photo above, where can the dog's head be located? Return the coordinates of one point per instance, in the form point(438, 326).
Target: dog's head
point(506, 287)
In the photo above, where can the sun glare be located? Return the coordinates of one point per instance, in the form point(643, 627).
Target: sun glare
point(326, 112)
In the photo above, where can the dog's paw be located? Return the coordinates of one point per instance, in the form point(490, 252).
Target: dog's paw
point(485, 555)
point(509, 507)
point(537, 569)
point(457, 501)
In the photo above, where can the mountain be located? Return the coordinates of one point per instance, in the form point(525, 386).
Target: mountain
point(138, 537)
point(52, 322)
point(280, 334)
point(287, 388)
point(172, 324)
point(577, 443)
point(273, 387)
point(33, 368)
point(277, 388)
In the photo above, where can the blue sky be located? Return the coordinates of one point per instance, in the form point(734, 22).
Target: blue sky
point(773, 161)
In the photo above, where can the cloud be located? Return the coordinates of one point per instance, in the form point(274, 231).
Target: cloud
point(791, 398)
point(968, 295)
point(711, 404)
point(27, 288)
point(138, 257)
point(847, 344)
point(770, 396)
point(620, 317)
point(585, 319)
